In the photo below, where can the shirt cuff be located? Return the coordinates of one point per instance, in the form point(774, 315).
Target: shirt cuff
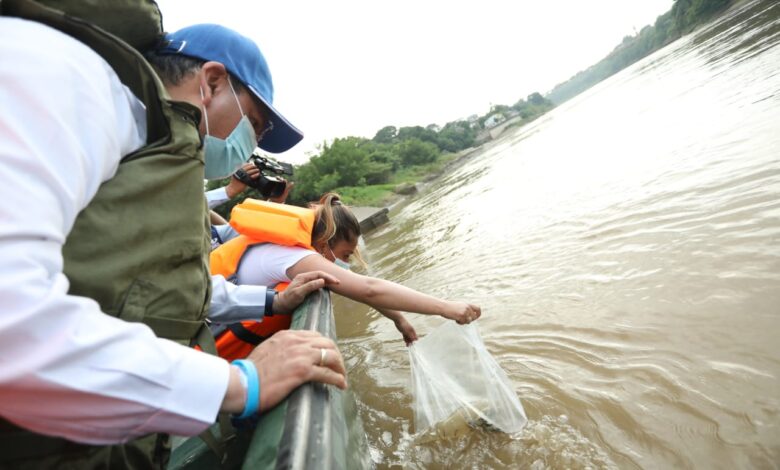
point(231, 303)
point(251, 296)
point(217, 196)
point(202, 380)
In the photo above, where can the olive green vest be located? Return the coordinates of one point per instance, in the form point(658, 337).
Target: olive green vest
point(140, 248)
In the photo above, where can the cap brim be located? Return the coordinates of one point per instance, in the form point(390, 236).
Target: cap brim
point(283, 136)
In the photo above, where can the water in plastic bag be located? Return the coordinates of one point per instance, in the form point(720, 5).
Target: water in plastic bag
point(456, 384)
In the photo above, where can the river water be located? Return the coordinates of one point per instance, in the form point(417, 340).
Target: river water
point(625, 249)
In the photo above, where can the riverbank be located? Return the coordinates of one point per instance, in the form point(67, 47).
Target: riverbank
point(370, 199)
point(411, 180)
point(373, 216)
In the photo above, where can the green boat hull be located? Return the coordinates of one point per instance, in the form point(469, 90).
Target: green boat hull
point(317, 426)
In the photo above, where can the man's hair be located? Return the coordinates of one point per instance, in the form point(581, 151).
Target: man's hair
point(175, 68)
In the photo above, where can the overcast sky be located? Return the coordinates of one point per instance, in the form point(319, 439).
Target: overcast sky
point(344, 68)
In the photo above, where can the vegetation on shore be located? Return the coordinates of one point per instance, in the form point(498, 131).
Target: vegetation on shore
point(367, 171)
point(681, 19)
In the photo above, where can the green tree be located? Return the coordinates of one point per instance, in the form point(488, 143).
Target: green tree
point(417, 152)
point(499, 108)
point(456, 136)
point(386, 135)
point(385, 161)
point(417, 132)
point(680, 19)
point(535, 99)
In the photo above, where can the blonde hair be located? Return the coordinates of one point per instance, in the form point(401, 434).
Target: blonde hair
point(333, 222)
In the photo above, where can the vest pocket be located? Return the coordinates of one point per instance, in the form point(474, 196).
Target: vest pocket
point(137, 299)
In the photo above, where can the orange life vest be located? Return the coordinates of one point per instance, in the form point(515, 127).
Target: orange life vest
point(258, 222)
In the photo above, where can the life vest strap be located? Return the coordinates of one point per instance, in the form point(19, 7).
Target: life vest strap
point(245, 335)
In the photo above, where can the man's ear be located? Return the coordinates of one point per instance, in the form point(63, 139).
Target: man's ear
point(212, 77)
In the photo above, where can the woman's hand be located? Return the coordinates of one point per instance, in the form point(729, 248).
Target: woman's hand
point(406, 329)
point(462, 312)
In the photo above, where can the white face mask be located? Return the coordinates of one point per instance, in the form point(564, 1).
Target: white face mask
point(340, 263)
point(223, 156)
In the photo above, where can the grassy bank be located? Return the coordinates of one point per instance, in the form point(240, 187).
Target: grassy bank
point(379, 195)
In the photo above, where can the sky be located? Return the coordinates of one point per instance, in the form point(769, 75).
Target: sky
point(350, 68)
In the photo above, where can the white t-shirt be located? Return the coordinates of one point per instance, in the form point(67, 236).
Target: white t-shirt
point(267, 264)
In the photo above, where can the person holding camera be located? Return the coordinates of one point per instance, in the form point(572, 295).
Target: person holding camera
point(218, 196)
point(257, 173)
point(104, 278)
point(221, 231)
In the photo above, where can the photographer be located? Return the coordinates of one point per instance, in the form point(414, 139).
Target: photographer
point(235, 187)
point(256, 173)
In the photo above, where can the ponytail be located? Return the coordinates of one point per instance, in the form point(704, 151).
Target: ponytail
point(334, 222)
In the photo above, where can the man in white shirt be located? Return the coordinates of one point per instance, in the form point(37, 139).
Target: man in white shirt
point(66, 368)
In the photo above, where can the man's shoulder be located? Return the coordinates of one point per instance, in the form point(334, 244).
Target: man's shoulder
point(56, 82)
point(36, 40)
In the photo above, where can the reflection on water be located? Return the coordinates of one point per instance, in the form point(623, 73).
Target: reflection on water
point(625, 249)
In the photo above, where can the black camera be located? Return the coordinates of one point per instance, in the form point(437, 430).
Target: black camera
point(269, 182)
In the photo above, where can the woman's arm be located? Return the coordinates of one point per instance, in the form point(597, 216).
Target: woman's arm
point(402, 325)
point(386, 295)
point(216, 219)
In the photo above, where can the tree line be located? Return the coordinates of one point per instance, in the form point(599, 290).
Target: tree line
point(348, 164)
point(681, 19)
point(357, 162)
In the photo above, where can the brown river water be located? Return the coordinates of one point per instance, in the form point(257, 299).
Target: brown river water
point(625, 250)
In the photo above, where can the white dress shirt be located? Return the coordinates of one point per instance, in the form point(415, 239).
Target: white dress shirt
point(217, 196)
point(66, 368)
point(231, 303)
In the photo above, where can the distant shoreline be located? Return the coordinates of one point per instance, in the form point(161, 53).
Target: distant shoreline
point(394, 198)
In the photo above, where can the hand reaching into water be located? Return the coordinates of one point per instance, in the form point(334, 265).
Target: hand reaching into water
point(461, 312)
point(406, 329)
point(401, 323)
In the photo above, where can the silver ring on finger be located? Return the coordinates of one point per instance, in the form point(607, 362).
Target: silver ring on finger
point(323, 356)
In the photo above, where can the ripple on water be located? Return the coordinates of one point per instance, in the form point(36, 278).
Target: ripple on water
point(547, 443)
point(624, 251)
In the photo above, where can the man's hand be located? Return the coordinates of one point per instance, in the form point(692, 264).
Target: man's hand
point(284, 361)
point(236, 187)
point(290, 358)
point(288, 186)
point(462, 312)
point(302, 285)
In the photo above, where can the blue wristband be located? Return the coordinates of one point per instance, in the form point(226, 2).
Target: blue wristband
point(249, 371)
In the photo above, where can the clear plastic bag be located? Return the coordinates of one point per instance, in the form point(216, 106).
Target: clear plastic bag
point(456, 382)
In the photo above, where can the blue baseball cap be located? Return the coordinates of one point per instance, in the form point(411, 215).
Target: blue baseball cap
point(242, 59)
